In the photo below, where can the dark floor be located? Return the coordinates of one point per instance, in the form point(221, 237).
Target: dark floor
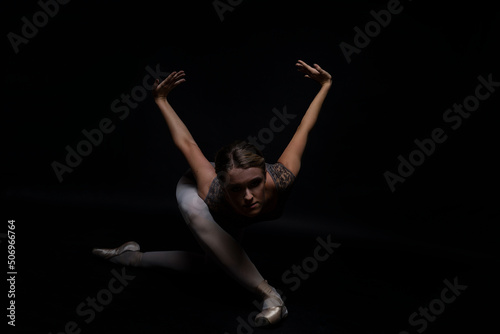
point(371, 283)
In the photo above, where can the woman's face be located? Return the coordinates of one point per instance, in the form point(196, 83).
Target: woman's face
point(245, 190)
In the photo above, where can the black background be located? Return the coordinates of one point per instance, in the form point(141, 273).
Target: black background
point(396, 247)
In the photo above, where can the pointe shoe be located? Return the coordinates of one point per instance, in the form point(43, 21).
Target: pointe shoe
point(107, 253)
point(276, 309)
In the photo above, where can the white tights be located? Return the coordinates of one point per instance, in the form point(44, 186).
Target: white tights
point(218, 245)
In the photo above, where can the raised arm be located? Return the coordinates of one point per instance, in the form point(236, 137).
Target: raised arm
point(203, 171)
point(291, 157)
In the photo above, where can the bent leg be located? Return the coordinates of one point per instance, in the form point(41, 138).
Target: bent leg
point(216, 242)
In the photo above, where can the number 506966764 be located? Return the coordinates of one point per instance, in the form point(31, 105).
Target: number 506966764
point(11, 248)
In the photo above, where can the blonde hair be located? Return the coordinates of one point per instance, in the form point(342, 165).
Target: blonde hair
point(238, 154)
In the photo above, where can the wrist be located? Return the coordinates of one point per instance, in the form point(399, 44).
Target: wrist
point(326, 84)
point(160, 99)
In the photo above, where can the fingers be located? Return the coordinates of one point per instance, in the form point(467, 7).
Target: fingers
point(300, 65)
point(317, 67)
point(177, 83)
point(165, 81)
point(179, 74)
point(311, 72)
point(309, 68)
point(301, 62)
point(173, 78)
point(315, 72)
point(179, 78)
point(302, 69)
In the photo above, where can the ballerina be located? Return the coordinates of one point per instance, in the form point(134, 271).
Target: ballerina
point(217, 199)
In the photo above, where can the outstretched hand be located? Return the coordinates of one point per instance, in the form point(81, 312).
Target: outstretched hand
point(161, 90)
point(316, 73)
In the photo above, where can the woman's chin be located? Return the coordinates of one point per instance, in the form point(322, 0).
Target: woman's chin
point(249, 212)
point(253, 214)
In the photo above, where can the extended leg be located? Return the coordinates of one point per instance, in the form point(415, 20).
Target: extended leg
point(128, 254)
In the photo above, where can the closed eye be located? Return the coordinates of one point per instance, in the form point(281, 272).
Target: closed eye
point(236, 189)
point(255, 183)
